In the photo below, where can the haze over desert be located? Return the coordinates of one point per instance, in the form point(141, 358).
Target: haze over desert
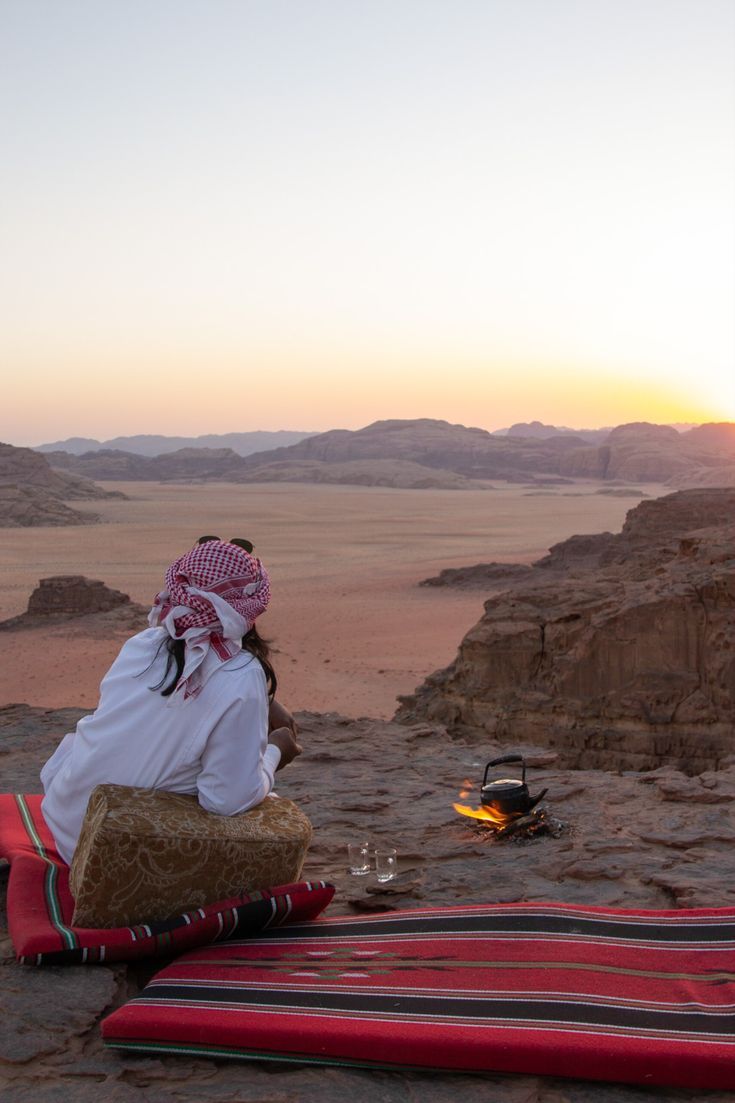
point(351, 625)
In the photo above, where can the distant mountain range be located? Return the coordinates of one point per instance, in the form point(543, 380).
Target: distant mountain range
point(245, 444)
point(154, 445)
point(428, 453)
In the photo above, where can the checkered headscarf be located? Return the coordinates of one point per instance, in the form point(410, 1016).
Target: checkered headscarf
point(212, 597)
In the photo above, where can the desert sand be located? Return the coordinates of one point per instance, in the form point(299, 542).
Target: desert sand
point(351, 626)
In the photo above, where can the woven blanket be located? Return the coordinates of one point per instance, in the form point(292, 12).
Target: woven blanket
point(547, 989)
point(40, 904)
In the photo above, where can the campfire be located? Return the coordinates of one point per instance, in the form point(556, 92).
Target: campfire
point(506, 806)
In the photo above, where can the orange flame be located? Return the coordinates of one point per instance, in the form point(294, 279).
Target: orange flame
point(497, 819)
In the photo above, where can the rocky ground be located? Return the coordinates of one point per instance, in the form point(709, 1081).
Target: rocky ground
point(660, 839)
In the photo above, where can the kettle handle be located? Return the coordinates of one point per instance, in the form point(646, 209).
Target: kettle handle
point(502, 760)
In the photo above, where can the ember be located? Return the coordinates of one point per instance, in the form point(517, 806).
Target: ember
point(520, 828)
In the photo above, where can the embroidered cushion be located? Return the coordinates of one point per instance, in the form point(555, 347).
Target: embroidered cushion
point(40, 905)
point(144, 855)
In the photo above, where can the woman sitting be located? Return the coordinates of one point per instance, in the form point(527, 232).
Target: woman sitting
point(188, 704)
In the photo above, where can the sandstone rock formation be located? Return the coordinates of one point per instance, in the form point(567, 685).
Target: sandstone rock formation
point(31, 493)
point(485, 576)
point(660, 839)
point(30, 506)
point(652, 453)
point(658, 453)
point(618, 654)
point(104, 464)
point(73, 596)
point(24, 467)
point(69, 596)
point(427, 452)
point(186, 465)
point(472, 452)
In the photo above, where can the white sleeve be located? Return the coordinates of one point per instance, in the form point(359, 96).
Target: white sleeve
point(238, 763)
point(57, 760)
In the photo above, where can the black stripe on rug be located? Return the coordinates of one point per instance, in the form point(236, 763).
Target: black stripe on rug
point(446, 1006)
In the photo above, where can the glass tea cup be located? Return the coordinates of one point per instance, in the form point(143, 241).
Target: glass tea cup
point(359, 858)
point(386, 863)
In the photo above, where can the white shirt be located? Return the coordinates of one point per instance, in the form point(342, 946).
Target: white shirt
point(214, 745)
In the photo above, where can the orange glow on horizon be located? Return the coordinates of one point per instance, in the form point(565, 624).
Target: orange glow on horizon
point(192, 397)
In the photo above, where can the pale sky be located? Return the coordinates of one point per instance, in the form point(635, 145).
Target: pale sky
point(309, 214)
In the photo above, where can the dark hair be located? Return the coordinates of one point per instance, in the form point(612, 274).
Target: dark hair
point(251, 642)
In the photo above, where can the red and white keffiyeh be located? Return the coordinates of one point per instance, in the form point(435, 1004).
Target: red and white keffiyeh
point(212, 597)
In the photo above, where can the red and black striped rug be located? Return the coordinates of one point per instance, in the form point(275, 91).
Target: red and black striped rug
point(550, 989)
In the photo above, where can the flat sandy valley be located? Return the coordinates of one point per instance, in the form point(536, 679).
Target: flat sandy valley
point(351, 626)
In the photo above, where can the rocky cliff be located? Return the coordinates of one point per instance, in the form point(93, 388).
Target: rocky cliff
point(619, 651)
point(29, 506)
point(657, 453)
point(32, 493)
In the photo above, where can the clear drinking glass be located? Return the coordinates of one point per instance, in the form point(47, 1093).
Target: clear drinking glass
point(359, 858)
point(386, 863)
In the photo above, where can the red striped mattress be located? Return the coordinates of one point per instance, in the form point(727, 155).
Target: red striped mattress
point(40, 904)
point(552, 989)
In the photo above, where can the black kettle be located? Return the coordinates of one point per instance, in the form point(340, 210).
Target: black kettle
point(507, 795)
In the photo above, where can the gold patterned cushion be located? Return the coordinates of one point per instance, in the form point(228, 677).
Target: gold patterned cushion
point(144, 855)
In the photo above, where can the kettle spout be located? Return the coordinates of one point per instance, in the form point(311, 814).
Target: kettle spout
point(533, 801)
